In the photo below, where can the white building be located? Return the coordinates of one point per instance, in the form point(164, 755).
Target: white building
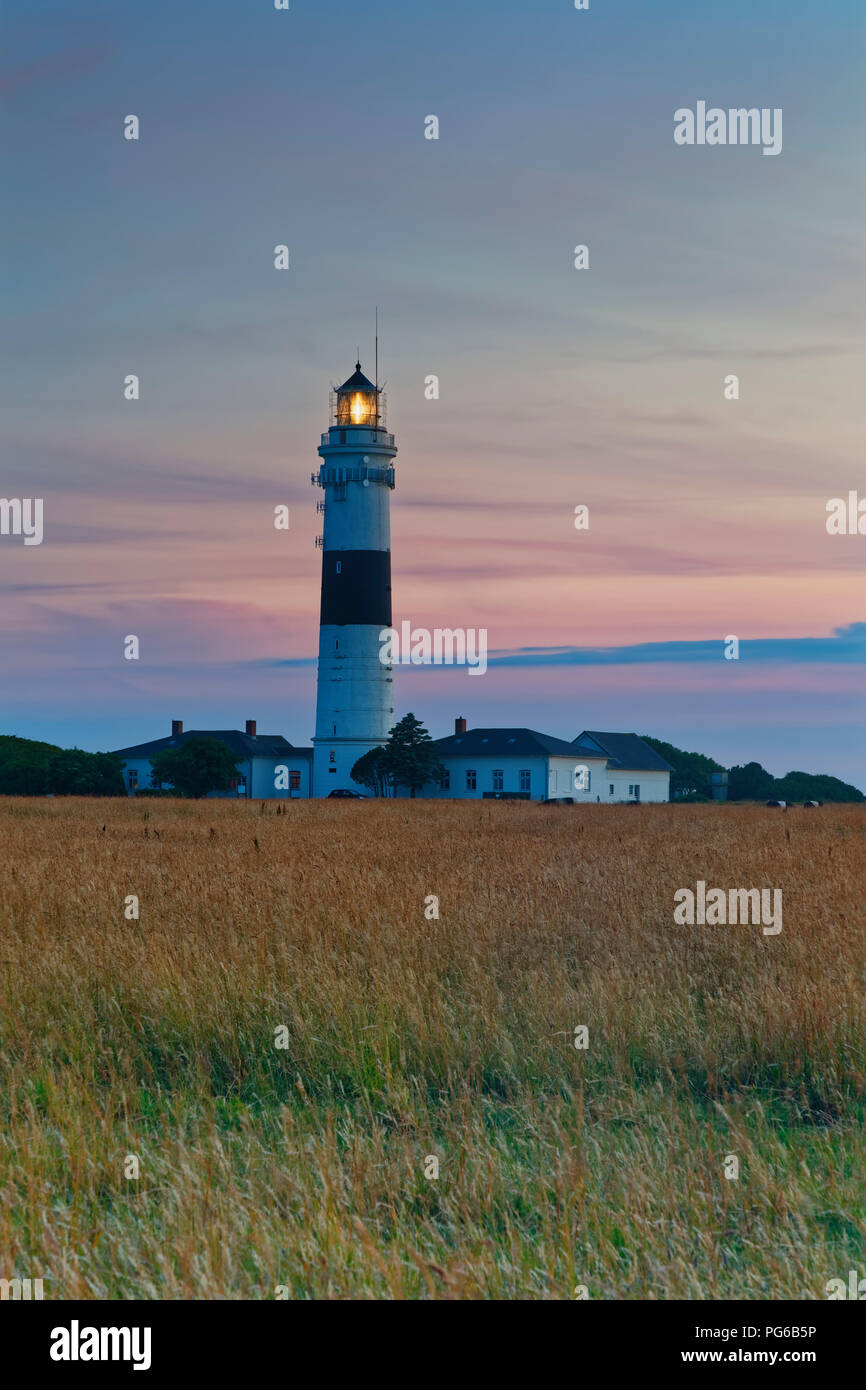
point(482, 764)
point(635, 771)
point(267, 765)
point(524, 765)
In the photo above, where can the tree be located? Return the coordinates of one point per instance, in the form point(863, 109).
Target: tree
point(371, 771)
point(72, 772)
point(22, 776)
point(24, 765)
point(690, 778)
point(198, 766)
point(751, 782)
point(809, 786)
point(410, 758)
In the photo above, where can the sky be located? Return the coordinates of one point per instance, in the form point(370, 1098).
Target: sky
point(558, 387)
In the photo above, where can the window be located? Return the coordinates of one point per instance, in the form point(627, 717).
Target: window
point(294, 781)
point(339, 567)
point(582, 778)
point(630, 789)
point(525, 779)
point(611, 789)
point(498, 779)
point(133, 778)
point(637, 791)
point(332, 757)
point(471, 781)
point(336, 644)
point(446, 781)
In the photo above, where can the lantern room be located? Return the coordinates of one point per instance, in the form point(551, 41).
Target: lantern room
point(358, 401)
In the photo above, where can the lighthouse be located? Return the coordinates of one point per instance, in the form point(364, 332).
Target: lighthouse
point(354, 700)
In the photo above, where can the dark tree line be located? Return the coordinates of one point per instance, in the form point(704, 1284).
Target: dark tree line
point(690, 780)
point(30, 768)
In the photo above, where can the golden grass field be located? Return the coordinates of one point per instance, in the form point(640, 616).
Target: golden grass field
point(304, 1167)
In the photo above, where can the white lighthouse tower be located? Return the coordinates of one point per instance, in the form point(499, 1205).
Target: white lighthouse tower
point(355, 703)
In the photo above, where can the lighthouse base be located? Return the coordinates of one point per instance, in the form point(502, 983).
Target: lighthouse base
point(333, 760)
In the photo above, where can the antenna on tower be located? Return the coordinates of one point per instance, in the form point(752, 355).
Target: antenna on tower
point(377, 347)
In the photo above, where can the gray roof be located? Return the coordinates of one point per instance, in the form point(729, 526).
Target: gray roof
point(627, 751)
point(497, 743)
point(242, 745)
point(357, 381)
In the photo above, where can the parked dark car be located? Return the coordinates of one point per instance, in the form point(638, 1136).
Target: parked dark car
point(356, 796)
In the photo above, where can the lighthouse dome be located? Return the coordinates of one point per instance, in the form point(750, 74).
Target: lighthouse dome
point(357, 382)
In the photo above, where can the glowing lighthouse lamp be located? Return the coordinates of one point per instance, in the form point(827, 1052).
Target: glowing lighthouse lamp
point(358, 401)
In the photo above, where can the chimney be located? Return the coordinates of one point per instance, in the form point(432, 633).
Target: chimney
point(176, 727)
point(251, 728)
point(460, 725)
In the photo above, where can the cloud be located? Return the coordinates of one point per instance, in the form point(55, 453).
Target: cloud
point(273, 663)
point(846, 645)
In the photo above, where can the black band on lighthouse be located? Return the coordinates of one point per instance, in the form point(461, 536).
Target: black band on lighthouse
point(356, 588)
